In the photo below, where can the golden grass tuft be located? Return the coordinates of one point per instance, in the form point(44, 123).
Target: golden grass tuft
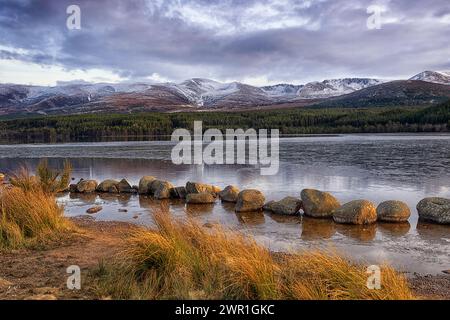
point(30, 218)
point(182, 260)
point(48, 180)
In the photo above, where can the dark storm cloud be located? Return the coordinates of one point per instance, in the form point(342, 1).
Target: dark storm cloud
point(231, 39)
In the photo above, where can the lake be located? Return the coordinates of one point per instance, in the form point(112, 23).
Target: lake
point(373, 167)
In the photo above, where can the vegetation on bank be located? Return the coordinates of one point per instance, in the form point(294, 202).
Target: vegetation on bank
point(288, 121)
point(29, 213)
point(183, 260)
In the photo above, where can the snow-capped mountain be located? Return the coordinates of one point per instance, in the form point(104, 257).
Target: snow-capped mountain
point(195, 93)
point(442, 77)
point(335, 87)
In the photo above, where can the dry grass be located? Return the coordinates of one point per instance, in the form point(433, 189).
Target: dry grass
point(29, 214)
point(30, 218)
point(48, 180)
point(182, 260)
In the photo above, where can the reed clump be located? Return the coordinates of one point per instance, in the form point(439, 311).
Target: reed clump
point(29, 213)
point(179, 259)
point(48, 180)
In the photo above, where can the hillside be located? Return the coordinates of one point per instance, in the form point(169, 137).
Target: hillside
point(395, 93)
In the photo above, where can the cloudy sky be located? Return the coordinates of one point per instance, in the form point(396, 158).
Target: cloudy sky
point(254, 41)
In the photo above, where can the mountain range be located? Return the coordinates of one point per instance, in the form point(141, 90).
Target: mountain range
point(199, 94)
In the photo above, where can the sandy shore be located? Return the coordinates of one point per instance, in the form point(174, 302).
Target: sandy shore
point(41, 274)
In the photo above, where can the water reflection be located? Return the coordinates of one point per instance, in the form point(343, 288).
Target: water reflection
point(195, 210)
point(314, 229)
point(86, 198)
point(394, 229)
point(251, 218)
point(359, 232)
point(430, 231)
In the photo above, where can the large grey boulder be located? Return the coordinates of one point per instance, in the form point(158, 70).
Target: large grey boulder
point(393, 211)
point(250, 200)
point(86, 186)
point(160, 189)
point(106, 185)
point(144, 184)
point(196, 187)
point(318, 204)
point(286, 206)
point(200, 198)
point(356, 212)
point(435, 210)
point(229, 194)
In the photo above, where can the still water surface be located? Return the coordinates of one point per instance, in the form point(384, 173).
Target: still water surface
point(373, 167)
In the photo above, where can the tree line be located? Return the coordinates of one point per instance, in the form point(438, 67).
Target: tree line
point(142, 126)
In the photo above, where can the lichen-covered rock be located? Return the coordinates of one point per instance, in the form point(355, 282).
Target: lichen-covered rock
point(318, 204)
point(200, 198)
point(105, 185)
point(196, 187)
point(86, 186)
point(160, 189)
point(250, 200)
point(229, 194)
point(356, 212)
point(125, 187)
point(144, 184)
point(435, 210)
point(286, 206)
point(393, 211)
point(178, 192)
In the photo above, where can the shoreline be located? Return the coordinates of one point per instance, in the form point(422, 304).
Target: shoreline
point(41, 274)
point(167, 138)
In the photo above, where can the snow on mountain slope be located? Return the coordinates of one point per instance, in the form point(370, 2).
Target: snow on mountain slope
point(204, 92)
point(442, 77)
point(335, 87)
point(282, 90)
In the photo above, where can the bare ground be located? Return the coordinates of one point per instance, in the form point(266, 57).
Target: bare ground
point(41, 274)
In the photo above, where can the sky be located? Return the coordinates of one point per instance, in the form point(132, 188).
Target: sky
point(258, 42)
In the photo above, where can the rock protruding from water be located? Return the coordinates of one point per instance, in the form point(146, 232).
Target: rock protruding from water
point(86, 186)
point(144, 184)
point(73, 188)
point(124, 186)
point(250, 200)
point(160, 189)
point(200, 198)
point(287, 206)
point(178, 192)
point(318, 204)
point(229, 194)
point(393, 211)
point(356, 212)
point(196, 187)
point(95, 209)
point(107, 185)
point(435, 210)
